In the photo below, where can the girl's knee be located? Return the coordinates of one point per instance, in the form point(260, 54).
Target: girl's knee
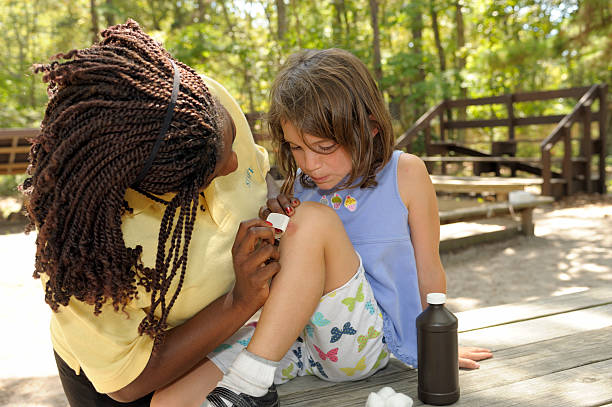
point(313, 217)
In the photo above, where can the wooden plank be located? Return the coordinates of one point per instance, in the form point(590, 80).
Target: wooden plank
point(15, 149)
point(550, 94)
point(22, 133)
point(468, 124)
point(490, 210)
point(15, 168)
point(491, 100)
point(492, 159)
point(541, 307)
point(451, 179)
point(520, 363)
point(530, 120)
point(539, 329)
point(509, 366)
point(311, 391)
point(588, 385)
point(457, 243)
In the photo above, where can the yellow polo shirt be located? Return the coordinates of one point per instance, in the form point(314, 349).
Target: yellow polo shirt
point(108, 347)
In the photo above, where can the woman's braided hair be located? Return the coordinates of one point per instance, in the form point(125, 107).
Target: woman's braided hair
point(106, 107)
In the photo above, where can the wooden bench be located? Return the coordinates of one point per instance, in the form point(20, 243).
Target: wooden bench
point(552, 351)
point(524, 210)
point(493, 185)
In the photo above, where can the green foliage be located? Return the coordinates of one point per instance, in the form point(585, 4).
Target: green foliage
point(518, 45)
point(9, 183)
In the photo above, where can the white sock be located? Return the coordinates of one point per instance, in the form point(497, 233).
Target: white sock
point(249, 374)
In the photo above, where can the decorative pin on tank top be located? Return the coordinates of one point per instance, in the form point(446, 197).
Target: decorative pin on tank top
point(324, 200)
point(336, 201)
point(350, 203)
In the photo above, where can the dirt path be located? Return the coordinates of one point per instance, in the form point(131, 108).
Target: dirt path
point(572, 251)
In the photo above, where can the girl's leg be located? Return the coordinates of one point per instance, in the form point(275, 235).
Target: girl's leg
point(316, 258)
point(191, 389)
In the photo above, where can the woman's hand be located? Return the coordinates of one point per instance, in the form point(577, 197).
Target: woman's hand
point(255, 262)
point(279, 204)
point(468, 355)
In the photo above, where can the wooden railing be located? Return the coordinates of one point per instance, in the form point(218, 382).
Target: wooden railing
point(582, 110)
point(14, 149)
point(580, 113)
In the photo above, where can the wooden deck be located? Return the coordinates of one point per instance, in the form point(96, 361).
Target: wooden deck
point(554, 351)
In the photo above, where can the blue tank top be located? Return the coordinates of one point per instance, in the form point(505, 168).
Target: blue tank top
point(376, 221)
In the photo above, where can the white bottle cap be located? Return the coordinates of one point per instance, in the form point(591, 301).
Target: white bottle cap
point(436, 298)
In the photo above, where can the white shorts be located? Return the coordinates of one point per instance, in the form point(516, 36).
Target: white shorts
point(343, 341)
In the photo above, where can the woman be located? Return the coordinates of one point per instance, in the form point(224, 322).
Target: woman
point(137, 196)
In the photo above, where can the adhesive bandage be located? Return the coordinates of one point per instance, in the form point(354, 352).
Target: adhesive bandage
point(280, 222)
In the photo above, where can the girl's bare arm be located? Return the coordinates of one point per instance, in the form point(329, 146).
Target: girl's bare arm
point(419, 196)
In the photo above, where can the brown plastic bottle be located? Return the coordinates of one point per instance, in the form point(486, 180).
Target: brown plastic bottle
point(438, 358)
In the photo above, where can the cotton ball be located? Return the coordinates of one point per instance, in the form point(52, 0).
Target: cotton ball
point(374, 400)
point(386, 392)
point(398, 400)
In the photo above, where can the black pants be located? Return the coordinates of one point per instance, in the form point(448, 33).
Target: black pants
point(80, 392)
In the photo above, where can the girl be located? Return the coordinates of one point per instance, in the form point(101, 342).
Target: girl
point(137, 194)
point(361, 251)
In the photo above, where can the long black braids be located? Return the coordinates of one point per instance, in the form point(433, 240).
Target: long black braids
point(106, 107)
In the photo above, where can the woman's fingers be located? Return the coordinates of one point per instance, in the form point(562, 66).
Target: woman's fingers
point(264, 211)
point(261, 256)
point(281, 204)
point(250, 232)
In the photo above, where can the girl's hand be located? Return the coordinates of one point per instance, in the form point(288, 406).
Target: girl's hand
point(281, 204)
point(468, 355)
point(255, 263)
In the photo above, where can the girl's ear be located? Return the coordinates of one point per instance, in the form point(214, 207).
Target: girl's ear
point(373, 125)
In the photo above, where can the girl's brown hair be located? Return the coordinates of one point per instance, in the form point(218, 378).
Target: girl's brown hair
point(331, 94)
point(106, 106)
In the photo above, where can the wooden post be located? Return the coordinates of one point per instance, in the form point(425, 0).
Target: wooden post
point(442, 127)
point(603, 119)
point(510, 106)
point(567, 159)
point(527, 221)
point(11, 159)
point(587, 146)
point(442, 137)
point(546, 171)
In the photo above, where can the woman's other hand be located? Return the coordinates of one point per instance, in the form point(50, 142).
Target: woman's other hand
point(468, 355)
point(280, 204)
point(255, 260)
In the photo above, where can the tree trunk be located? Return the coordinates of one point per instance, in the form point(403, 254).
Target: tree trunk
point(376, 41)
point(417, 39)
point(95, 28)
point(244, 68)
point(460, 65)
point(296, 14)
point(108, 15)
point(281, 11)
point(441, 57)
point(436, 32)
point(154, 17)
point(340, 14)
